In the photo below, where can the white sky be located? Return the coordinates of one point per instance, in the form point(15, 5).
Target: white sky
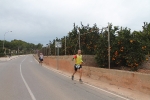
point(38, 21)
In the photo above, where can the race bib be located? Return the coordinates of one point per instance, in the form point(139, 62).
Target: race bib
point(77, 66)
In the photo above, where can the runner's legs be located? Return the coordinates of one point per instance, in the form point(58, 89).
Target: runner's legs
point(80, 72)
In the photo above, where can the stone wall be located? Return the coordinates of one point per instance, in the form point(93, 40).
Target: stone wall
point(131, 80)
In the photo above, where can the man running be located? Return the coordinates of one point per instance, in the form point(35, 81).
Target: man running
point(78, 64)
point(41, 58)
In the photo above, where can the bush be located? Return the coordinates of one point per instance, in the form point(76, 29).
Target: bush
point(126, 49)
point(2, 54)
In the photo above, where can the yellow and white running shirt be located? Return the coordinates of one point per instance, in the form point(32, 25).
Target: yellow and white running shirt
point(78, 59)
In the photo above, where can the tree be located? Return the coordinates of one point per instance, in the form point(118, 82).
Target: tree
point(20, 46)
point(127, 49)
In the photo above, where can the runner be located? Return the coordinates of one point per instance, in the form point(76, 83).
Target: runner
point(78, 64)
point(41, 58)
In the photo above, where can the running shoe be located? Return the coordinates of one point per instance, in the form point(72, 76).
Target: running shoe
point(80, 80)
point(72, 77)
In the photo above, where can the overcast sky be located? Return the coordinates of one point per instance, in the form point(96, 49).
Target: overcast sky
point(38, 21)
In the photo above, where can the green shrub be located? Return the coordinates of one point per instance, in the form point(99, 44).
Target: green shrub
point(2, 54)
point(126, 49)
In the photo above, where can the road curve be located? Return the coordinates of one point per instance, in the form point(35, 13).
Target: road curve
point(24, 79)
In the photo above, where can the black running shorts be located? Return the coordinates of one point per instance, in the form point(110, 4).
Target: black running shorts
point(76, 68)
point(40, 59)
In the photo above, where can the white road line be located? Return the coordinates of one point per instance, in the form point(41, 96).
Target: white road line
point(28, 88)
point(89, 84)
point(107, 91)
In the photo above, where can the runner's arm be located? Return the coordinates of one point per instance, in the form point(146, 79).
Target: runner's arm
point(74, 57)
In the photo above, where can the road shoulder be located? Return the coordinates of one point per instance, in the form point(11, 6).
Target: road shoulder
point(128, 93)
point(8, 58)
point(131, 94)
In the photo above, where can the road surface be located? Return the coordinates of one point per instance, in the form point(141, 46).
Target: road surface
point(24, 79)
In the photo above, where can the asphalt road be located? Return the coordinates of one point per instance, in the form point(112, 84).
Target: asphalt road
point(24, 79)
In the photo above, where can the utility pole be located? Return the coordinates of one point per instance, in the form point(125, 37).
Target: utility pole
point(55, 47)
point(4, 39)
point(58, 45)
point(50, 47)
point(57, 57)
point(47, 48)
point(79, 38)
point(65, 45)
point(108, 47)
point(108, 43)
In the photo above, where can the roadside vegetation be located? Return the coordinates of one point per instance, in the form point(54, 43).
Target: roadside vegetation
point(18, 47)
point(127, 49)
